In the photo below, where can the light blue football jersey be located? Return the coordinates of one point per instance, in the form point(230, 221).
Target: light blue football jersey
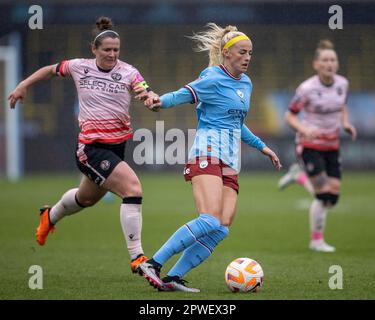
point(223, 103)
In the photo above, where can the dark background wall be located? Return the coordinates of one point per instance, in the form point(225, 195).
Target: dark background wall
point(154, 40)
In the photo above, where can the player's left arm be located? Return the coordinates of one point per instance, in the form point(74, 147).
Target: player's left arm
point(253, 141)
point(142, 90)
point(347, 126)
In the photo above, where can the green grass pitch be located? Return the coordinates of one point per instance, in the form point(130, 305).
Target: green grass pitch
point(86, 258)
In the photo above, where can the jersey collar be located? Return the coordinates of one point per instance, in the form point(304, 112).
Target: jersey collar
point(228, 73)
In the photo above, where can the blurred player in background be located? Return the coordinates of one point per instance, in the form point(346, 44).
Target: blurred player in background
point(322, 98)
point(104, 85)
point(222, 92)
point(296, 174)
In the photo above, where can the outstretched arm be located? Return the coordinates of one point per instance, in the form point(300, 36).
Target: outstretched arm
point(169, 100)
point(19, 93)
point(253, 141)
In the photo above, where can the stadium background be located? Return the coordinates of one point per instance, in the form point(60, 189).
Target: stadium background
point(271, 226)
point(154, 40)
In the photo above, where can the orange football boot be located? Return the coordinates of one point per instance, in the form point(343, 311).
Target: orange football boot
point(136, 262)
point(45, 226)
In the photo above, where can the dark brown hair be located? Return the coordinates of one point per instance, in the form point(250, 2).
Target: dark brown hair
point(102, 24)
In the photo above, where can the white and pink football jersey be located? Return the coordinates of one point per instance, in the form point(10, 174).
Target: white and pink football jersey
point(322, 108)
point(104, 99)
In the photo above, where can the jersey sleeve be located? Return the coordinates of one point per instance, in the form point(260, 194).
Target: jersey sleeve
point(175, 98)
point(298, 101)
point(67, 67)
point(201, 89)
point(138, 80)
point(251, 139)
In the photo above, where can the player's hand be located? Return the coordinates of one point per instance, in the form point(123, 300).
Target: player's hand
point(311, 133)
point(141, 93)
point(273, 157)
point(351, 130)
point(153, 102)
point(18, 94)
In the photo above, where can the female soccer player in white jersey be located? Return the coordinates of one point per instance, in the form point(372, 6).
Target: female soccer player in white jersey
point(104, 85)
point(322, 98)
point(223, 95)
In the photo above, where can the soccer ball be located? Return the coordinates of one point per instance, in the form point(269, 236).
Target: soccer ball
point(244, 275)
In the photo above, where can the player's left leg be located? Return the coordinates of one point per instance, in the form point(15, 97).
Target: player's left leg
point(207, 192)
point(124, 182)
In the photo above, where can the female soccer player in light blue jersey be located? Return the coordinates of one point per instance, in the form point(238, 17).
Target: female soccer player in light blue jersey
point(222, 93)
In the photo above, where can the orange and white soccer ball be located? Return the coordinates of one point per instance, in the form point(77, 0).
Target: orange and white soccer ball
point(244, 275)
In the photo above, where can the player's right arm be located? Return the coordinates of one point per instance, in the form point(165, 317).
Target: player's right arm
point(200, 89)
point(296, 105)
point(169, 100)
point(19, 93)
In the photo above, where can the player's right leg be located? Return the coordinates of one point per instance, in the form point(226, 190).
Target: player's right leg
point(72, 201)
point(290, 177)
point(296, 174)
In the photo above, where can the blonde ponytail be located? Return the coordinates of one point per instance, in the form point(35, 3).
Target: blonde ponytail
point(323, 45)
point(213, 41)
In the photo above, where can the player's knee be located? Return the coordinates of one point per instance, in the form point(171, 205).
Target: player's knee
point(84, 203)
point(328, 199)
point(134, 190)
point(334, 199)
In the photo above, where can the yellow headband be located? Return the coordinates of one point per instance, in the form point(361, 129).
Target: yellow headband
point(234, 40)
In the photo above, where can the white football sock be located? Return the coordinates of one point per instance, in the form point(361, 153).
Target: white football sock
point(131, 222)
point(318, 214)
point(65, 207)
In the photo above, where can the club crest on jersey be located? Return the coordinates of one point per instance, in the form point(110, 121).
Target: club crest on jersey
point(116, 76)
point(105, 164)
point(86, 70)
point(240, 94)
point(203, 164)
point(339, 91)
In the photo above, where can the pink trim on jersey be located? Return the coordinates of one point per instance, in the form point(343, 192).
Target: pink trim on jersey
point(63, 70)
point(104, 99)
point(110, 131)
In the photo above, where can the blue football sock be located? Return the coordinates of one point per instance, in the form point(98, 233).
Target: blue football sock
point(198, 252)
point(185, 236)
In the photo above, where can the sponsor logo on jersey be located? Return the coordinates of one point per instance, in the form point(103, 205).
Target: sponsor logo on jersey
point(86, 70)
